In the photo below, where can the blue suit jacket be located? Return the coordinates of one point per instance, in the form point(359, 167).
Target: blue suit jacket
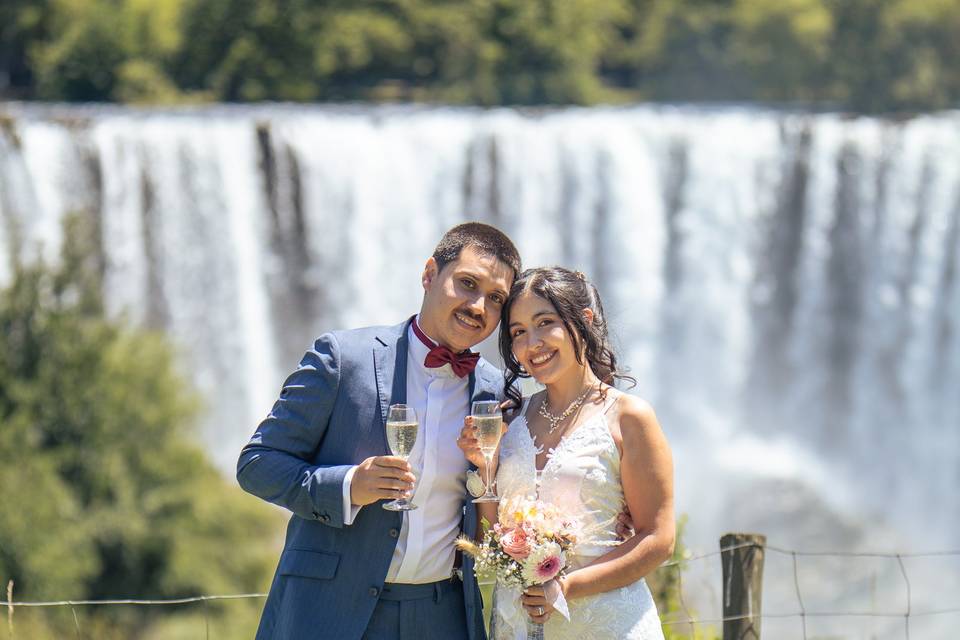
point(330, 416)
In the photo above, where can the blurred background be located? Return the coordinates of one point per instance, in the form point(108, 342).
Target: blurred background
point(766, 193)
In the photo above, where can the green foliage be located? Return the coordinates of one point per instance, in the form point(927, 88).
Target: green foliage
point(549, 49)
point(22, 22)
point(665, 584)
point(862, 55)
point(105, 494)
point(106, 50)
point(674, 50)
point(246, 50)
point(783, 46)
point(897, 54)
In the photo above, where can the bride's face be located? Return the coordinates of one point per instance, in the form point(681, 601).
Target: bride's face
point(539, 340)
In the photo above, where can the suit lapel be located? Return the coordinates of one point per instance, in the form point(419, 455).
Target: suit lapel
point(482, 385)
point(390, 362)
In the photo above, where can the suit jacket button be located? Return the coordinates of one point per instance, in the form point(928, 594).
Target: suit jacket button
point(374, 592)
point(394, 533)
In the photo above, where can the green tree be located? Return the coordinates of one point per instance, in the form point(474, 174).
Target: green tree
point(924, 51)
point(22, 22)
point(246, 50)
point(550, 50)
point(896, 55)
point(782, 47)
point(363, 47)
point(101, 50)
point(676, 51)
point(105, 493)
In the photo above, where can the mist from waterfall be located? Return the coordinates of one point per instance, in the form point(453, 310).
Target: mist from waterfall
point(784, 286)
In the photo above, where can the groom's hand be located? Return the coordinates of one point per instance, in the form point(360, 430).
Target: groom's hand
point(625, 524)
point(379, 478)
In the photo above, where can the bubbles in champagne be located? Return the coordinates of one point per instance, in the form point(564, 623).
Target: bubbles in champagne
point(488, 430)
point(401, 436)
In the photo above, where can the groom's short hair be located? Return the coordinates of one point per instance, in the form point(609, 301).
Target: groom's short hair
point(485, 238)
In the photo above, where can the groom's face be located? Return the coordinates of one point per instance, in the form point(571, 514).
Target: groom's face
point(462, 303)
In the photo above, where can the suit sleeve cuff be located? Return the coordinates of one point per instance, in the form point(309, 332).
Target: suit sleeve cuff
point(350, 510)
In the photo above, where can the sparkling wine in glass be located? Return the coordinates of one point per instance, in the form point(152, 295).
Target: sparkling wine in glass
point(488, 420)
point(402, 428)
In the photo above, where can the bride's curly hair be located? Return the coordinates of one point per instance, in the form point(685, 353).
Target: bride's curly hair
point(570, 293)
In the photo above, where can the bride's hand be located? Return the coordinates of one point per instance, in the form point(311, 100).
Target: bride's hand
point(535, 602)
point(470, 445)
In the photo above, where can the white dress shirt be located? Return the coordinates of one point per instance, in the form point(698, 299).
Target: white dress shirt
point(425, 550)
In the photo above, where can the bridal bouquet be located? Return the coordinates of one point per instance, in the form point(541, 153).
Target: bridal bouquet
point(527, 547)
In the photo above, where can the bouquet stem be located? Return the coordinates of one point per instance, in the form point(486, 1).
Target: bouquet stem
point(534, 630)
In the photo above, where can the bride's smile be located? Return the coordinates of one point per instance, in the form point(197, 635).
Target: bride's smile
point(538, 360)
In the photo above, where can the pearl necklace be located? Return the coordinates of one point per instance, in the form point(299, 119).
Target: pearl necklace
point(555, 420)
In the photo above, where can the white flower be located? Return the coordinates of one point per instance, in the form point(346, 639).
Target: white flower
point(474, 484)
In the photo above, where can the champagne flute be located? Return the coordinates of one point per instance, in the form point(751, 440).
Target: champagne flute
point(488, 420)
point(402, 427)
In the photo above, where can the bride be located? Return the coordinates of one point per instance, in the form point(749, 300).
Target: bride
point(598, 449)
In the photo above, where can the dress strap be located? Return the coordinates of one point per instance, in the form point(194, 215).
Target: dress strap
point(526, 403)
point(609, 402)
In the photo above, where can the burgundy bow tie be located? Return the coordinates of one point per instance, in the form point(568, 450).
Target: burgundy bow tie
point(462, 363)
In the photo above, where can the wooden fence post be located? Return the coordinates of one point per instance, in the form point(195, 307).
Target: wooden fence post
point(10, 608)
point(742, 584)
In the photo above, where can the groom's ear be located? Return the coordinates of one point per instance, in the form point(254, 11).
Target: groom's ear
point(430, 271)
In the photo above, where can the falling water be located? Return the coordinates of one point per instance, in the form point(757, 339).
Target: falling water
point(783, 286)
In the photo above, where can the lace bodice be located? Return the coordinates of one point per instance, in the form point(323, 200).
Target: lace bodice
point(581, 477)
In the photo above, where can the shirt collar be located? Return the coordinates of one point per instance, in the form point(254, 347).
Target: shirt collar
point(418, 352)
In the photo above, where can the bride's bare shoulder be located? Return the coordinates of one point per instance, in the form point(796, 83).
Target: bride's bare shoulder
point(635, 408)
point(638, 423)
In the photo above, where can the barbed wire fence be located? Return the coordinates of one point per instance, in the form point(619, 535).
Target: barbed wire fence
point(802, 612)
point(736, 624)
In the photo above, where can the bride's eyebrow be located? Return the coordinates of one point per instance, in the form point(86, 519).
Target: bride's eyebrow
point(535, 316)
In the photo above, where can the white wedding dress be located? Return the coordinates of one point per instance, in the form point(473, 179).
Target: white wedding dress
point(582, 478)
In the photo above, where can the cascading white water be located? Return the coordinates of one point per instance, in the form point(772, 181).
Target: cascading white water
point(784, 286)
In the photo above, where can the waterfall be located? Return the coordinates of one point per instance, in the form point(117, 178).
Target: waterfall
point(784, 286)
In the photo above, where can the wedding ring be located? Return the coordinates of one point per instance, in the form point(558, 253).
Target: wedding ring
point(539, 611)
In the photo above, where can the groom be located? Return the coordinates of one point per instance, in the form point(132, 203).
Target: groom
point(351, 569)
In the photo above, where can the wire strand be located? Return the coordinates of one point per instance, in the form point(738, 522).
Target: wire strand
point(690, 619)
point(71, 603)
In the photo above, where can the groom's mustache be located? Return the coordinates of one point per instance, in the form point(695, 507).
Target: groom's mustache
point(472, 316)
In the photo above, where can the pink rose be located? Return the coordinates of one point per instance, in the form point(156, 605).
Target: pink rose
point(516, 543)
